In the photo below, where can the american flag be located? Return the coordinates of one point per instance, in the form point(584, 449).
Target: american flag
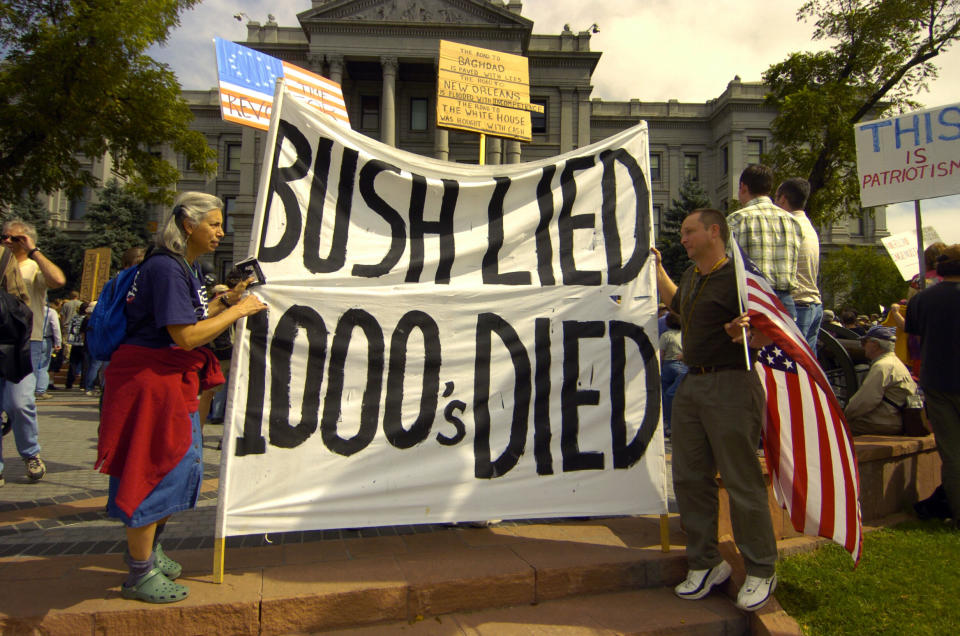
point(808, 448)
point(247, 80)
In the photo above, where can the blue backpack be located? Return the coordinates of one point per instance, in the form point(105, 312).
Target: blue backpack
point(107, 327)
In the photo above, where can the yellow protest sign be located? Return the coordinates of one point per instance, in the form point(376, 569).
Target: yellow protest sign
point(484, 91)
point(96, 272)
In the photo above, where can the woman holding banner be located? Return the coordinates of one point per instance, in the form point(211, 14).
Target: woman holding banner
point(150, 436)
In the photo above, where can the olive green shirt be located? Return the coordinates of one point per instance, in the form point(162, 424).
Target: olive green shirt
point(706, 302)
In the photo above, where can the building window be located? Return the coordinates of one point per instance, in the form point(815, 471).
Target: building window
point(418, 113)
point(655, 174)
point(657, 211)
point(229, 206)
point(691, 167)
point(233, 157)
point(754, 150)
point(78, 207)
point(538, 121)
point(725, 159)
point(369, 112)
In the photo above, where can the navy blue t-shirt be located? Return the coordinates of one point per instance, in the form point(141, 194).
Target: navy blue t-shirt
point(162, 294)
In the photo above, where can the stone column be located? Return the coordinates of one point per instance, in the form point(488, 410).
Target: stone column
point(566, 120)
point(441, 144)
point(336, 68)
point(315, 62)
point(388, 104)
point(583, 118)
point(513, 151)
point(494, 152)
point(242, 223)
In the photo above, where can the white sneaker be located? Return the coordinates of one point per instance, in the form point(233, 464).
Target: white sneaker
point(699, 582)
point(756, 592)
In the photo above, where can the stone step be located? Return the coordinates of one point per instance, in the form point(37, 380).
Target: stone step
point(646, 611)
point(351, 583)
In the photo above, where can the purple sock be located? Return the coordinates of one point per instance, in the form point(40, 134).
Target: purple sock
point(138, 569)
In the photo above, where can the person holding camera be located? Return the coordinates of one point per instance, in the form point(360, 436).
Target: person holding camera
point(19, 401)
point(150, 437)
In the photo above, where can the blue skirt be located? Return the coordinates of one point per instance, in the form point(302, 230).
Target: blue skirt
point(178, 490)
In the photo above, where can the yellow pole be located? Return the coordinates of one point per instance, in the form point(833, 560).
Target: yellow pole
point(664, 533)
point(219, 544)
point(483, 149)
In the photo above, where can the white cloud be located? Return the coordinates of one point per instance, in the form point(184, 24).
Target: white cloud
point(942, 213)
point(653, 50)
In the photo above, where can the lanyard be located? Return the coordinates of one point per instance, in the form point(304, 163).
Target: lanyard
point(687, 310)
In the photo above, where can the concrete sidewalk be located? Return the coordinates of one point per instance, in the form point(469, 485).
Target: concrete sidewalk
point(61, 565)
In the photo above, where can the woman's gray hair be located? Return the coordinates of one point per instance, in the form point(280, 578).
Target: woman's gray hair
point(188, 205)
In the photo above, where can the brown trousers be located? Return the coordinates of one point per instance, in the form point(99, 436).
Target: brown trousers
point(716, 425)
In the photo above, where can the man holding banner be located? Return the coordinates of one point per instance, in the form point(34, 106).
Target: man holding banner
point(717, 418)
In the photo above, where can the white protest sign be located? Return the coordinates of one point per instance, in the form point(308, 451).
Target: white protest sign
point(443, 342)
point(909, 157)
point(902, 248)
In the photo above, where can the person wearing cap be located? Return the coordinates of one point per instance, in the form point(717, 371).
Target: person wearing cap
point(875, 408)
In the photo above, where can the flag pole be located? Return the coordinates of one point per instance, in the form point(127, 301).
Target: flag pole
point(738, 265)
point(922, 279)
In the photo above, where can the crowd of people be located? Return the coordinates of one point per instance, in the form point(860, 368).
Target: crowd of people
point(714, 404)
point(167, 376)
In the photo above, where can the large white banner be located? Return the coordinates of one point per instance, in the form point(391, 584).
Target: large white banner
point(445, 342)
point(909, 157)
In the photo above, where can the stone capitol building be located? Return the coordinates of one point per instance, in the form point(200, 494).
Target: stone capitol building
point(384, 53)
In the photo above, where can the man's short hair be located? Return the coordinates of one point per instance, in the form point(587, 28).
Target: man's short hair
point(932, 253)
point(948, 263)
point(132, 256)
point(25, 227)
point(709, 216)
point(796, 191)
point(758, 178)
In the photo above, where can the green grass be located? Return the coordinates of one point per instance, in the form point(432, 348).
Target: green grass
point(908, 582)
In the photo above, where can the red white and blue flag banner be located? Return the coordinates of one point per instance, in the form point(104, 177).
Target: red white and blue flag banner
point(248, 78)
point(808, 447)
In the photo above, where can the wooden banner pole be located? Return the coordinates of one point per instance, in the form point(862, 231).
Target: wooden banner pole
point(219, 544)
point(664, 533)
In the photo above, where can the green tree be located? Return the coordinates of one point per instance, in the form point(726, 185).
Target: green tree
point(674, 255)
point(74, 81)
point(880, 60)
point(118, 220)
point(861, 277)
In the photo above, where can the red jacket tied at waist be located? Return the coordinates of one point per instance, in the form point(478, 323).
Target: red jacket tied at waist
point(145, 427)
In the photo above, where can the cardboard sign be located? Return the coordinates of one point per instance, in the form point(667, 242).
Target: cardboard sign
point(484, 91)
point(909, 157)
point(96, 272)
point(443, 341)
point(902, 248)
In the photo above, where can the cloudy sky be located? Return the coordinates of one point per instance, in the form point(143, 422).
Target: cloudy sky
point(653, 50)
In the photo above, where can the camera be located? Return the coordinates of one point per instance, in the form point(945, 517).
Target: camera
point(249, 267)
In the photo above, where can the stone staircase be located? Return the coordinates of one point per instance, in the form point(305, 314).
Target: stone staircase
point(603, 576)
